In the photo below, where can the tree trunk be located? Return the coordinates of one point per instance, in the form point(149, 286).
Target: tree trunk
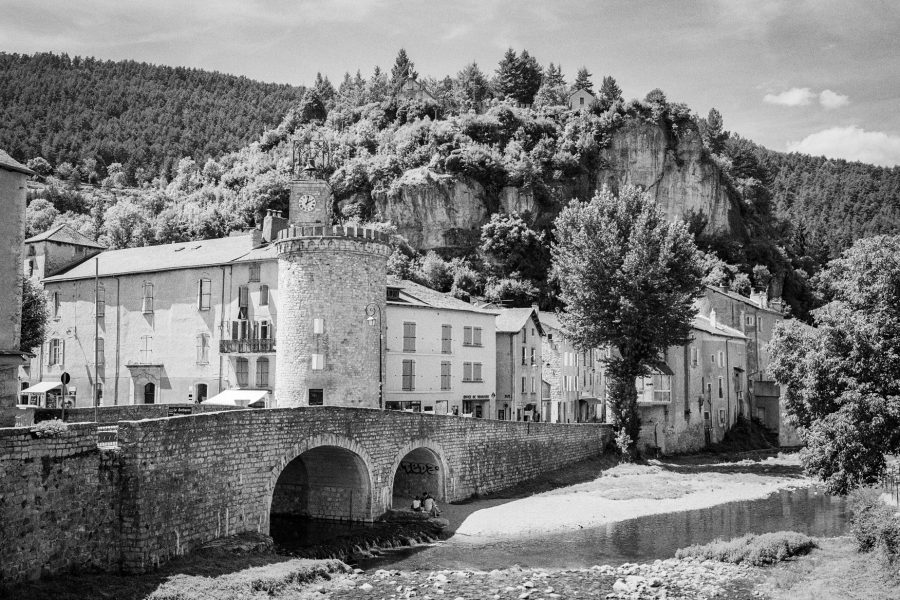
point(623, 397)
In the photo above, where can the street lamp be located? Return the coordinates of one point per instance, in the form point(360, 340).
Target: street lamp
point(372, 309)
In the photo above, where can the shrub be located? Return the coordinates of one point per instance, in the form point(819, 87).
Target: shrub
point(874, 524)
point(48, 429)
point(756, 550)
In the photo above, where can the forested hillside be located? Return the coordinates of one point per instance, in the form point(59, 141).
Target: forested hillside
point(471, 131)
point(92, 113)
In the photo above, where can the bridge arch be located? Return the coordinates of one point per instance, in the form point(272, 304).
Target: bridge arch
point(324, 477)
point(420, 465)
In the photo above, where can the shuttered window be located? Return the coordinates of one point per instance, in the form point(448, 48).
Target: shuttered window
point(204, 291)
point(409, 337)
point(409, 375)
point(446, 339)
point(445, 375)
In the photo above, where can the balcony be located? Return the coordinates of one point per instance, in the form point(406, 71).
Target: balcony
point(246, 346)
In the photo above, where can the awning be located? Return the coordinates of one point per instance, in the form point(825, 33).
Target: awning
point(661, 368)
point(41, 388)
point(590, 400)
point(237, 397)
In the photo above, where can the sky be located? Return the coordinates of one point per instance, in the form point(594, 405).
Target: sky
point(815, 76)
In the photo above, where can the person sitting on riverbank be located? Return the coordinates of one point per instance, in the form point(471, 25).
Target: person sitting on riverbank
point(431, 506)
point(417, 504)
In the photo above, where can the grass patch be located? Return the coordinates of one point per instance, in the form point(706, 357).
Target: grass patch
point(271, 580)
point(756, 550)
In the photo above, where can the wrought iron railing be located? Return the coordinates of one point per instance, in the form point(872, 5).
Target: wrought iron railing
point(246, 346)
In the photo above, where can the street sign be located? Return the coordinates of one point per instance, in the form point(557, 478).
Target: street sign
point(65, 378)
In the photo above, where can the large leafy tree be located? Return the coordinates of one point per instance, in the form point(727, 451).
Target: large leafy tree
point(842, 378)
point(628, 279)
point(35, 314)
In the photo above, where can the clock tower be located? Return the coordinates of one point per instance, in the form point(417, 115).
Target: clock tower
point(310, 203)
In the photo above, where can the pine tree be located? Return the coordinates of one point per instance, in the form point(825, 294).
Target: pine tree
point(402, 70)
point(530, 74)
point(471, 87)
point(714, 134)
point(507, 74)
point(583, 81)
point(553, 76)
point(610, 91)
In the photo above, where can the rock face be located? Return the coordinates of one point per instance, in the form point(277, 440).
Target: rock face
point(444, 211)
point(681, 180)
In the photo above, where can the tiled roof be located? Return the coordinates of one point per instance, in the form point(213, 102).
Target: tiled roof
point(512, 320)
point(551, 320)
point(167, 257)
point(414, 294)
point(10, 164)
point(65, 233)
point(704, 324)
point(740, 298)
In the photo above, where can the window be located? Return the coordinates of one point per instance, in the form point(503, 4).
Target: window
point(476, 372)
point(316, 397)
point(149, 393)
point(202, 392)
point(750, 320)
point(524, 354)
point(265, 330)
point(581, 101)
point(204, 291)
point(254, 272)
point(446, 339)
point(146, 349)
point(99, 351)
point(202, 349)
point(262, 372)
point(445, 375)
point(471, 336)
point(532, 356)
point(721, 358)
point(694, 356)
point(147, 298)
point(532, 385)
point(409, 375)
point(54, 356)
point(467, 371)
point(523, 384)
point(240, 330)
point(722, 416)
point(662, 387)
point(712, 358)
point(467, 336)
point(409, 337)
point(100, 307)
point(243, 301)
point(242, 371)
point(263, 295)
point(55, 305)
point(318, 362)
point(472, 372)
point(720, 387)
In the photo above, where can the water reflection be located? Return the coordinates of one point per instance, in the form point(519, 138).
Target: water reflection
point(807, 510)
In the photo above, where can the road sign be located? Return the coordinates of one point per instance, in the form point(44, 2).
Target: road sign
point(65, 378)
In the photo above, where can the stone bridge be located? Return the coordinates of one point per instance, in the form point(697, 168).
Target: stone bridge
point(175, 483)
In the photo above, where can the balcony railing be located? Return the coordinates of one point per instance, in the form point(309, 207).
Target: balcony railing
point(246, 346)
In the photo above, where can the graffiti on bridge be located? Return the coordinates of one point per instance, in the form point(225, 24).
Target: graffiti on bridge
point(414, 468)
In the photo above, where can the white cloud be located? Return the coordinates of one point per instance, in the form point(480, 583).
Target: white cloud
point(829, 99)
point(792, 97)
point(851, 143)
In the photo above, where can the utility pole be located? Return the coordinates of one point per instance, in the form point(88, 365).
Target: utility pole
point(96, 336)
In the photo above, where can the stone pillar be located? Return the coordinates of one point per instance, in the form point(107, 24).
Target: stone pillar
point(12, 238)
point(327, 276)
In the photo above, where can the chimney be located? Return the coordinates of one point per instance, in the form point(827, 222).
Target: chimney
point(712, 317)
point(273, 223)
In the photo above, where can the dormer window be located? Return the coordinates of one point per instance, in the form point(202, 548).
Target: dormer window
point(393, 293)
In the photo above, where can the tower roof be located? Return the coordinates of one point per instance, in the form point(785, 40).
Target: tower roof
point(10, 164)
point(67, 235)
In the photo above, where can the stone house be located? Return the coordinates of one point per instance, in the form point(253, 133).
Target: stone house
point(581, 100)
point(55, 249)
point(519, 381)
point(440, 353)
point(13, 176)
point(575, 382)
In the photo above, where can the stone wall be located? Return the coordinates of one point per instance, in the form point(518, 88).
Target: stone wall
point(127, 412)
point(59, 503)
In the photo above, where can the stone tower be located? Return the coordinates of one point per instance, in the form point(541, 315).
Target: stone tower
point(328, 276)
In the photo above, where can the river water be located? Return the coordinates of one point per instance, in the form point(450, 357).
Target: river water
point(806, 510)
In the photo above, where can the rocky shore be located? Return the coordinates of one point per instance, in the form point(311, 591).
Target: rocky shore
point(668, 579)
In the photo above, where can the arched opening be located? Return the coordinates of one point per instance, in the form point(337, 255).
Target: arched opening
point(326, 483)
point(202, 392)
point(419, 472)
point(149, 393)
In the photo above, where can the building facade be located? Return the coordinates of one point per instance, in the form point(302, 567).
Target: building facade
point(519, 381)
point(56, 249)
point(575, 380)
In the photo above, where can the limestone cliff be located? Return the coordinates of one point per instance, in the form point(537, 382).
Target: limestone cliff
point(443, 211)
point(681, 178)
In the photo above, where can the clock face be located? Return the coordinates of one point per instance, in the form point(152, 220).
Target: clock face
point(306, 202)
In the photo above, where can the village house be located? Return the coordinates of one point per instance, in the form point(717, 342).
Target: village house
point(55, 249)
point(581, 99)
point(574, 380)
point(519, 334)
